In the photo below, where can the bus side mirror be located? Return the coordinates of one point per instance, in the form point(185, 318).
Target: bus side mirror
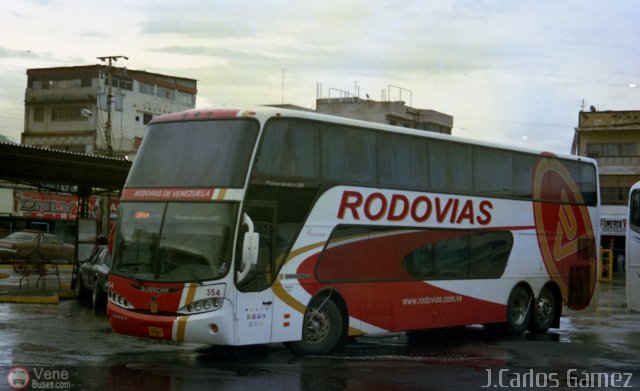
point(250, 245)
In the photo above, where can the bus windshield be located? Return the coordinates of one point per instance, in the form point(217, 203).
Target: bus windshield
point(171, 152)
point(171, 242)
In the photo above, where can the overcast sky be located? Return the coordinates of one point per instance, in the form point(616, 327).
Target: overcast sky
point(513, 72)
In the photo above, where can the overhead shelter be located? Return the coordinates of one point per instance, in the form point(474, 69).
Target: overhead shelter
point(39, 167)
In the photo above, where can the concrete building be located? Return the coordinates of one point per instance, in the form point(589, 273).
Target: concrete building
point(386, 112)
point(66, 108)
point(613, 139)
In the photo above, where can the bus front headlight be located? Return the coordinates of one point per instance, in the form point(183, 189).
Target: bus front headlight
point(199, 306)
point(119, 300)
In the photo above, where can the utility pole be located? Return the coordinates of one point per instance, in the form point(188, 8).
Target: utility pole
point(107, 133)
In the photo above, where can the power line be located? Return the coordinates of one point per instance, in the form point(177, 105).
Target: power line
point(549, 125)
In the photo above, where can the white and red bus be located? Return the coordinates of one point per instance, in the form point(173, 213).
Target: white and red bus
point(257, 226)
point(632, 250)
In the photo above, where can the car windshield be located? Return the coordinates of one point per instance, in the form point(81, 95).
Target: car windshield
point(174, 242)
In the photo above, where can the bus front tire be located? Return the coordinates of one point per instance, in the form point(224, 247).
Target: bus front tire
point(543, 312)
point(322, 330)
point(518, 310)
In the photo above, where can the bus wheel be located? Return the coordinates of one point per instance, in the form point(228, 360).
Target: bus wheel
point(322, 329)
point(543, 312)
point(518, 310)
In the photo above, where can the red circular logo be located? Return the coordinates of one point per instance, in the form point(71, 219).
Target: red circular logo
point(18, 378)
point(565, 233)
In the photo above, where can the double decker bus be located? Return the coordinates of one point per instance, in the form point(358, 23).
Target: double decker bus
point(241, 227)
point(632, 250)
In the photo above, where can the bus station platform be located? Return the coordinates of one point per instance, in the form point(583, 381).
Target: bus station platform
point(34, 288)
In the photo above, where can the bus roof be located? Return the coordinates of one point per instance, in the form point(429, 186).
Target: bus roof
point(263, 113)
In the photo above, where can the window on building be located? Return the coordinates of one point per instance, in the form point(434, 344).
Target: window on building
point(146, 118)
point(147, 89)
point(166, 93)
point(122, 83)
point(614, 195)
point(612, 149)
point(184, 97)
point(63, 84)
point(38, 114)
point(66, 113)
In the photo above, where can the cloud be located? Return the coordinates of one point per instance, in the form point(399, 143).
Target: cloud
point(500, 68)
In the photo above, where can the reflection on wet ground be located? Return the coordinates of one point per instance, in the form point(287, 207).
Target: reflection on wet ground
point(75, 337)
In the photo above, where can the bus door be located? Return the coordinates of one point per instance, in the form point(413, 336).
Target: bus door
point(254, 300)
point(632, 254)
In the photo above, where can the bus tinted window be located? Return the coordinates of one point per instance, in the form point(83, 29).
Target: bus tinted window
point(450, 165)
point(348, 154)
point(289, 148)
point(486, 164)
point(403, 161)
point(522, 168)
point(303, 149)
point(221, 148)
point(585, 177)
point(358, 253)
point(559, 173)
point(471, 255)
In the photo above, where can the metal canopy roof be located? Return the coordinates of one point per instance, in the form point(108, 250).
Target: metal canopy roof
point(37, 166)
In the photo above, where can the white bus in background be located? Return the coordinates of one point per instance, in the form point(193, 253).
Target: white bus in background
point(632, 251)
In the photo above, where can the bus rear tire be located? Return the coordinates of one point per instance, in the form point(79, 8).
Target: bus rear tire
point(322, 330)
point(518, 310)
point(543, 312)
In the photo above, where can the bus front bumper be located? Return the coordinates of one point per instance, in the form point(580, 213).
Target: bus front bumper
point(214, 328)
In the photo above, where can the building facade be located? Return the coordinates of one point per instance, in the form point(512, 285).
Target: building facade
point(613, 139)
point(386, 112)
point(67, 108)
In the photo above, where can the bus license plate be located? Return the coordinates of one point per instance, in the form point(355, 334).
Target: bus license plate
point(155, 332)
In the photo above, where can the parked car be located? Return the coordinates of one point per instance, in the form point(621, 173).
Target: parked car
point(33, 245)
point(91, 281)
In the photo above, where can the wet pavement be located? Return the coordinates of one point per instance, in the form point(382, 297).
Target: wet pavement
point(75, 343)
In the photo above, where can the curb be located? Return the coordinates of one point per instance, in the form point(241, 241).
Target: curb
point(52, 299)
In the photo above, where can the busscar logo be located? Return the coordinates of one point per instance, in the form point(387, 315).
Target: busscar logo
point(154, 289)
point(153, 305)
point(564, 231)
point(18, 378)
